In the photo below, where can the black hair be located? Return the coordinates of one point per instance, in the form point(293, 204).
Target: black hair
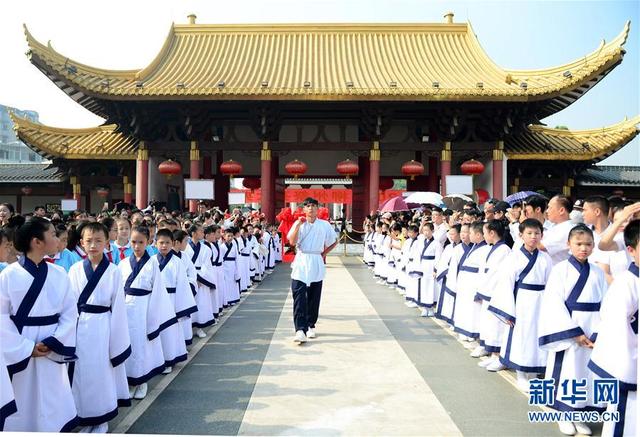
point(3, 235)
point(564, 202)
point(580, 228)
point(108, 222)
point(309, 201)
point(496, 226)
point(631, 232)
point(530, 223)
point(516, 205)
point(457, 227)
point(60, 229)
point(397, 227)
point(75, 232)
point(209, 230)
point(165, 233)
point(194, 228)
point(34, 228)
point(476, 227)
point(436, 209)
point(214, 228)
point(230, 230)
point(413, 228)
point(179, 235)
point(428, 225)
point(38, 207)
point(537, 202)
point(447, 212)
point(142, 230)
point(94, 227)
point(601, 202)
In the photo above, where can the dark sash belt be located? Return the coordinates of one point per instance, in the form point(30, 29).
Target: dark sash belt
point(38, 321)
point(136, 291)
point(469, 269)
point(171, 290)
point(534, 287)
point(93, 309)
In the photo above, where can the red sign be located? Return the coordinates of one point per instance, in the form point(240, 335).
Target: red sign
point(323, 196)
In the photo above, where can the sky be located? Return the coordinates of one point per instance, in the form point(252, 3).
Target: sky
point(117, 34)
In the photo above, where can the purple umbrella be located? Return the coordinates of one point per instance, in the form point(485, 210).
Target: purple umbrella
point(520, 196)
point(394, 204)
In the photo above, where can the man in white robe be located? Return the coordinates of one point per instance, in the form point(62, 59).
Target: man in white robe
point(313, 238)
point(554, 241)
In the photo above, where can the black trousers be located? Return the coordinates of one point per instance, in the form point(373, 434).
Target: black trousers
point(306, 304)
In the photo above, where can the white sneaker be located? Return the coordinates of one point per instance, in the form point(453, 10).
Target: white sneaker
point(582, 428)
point(567, 428)
point(451, 328)
point(380, 282)
point(100, 429)
point(311, 333)
point(132, 390)
point(411, 304)
point(86, 430)
point(486, 362)
point(469, 345)
point(496, 366)
point(522, 381)
point(141, 391)
point(426, 312)
point(300, 337)
point(200, 333)
point(167, 370)
point(479, 351)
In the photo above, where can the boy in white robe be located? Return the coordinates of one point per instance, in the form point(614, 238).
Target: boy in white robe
point(98, 377)
point(442, 270)
point(407, 245)
point(149, 312)
point(179, 245)
point(394, 256)
point(569, 319)
point(218, 273)
point(383, 249)
point(211, 234)
point(38, 315)
point(516, 301)
point(615, 354)
point(466, 317)
point(491, 328)
point(174, 275)
point(230, 267)
point(258, 256)
point(200, 256)
point(460, 253)
point(244, 260)
point(278, 246)
point(251, 243)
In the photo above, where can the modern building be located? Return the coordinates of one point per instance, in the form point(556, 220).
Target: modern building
point(11, 148)
point(386, 96)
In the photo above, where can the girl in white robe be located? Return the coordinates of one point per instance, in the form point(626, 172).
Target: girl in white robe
point(569, 319)
point(98, 377)
point(258, 257)
point(466, 318)
point(38, 315)
point(429, 254)
point(615, 354)
point(149, 312)
point(460, 253)
point(394, 256)
point(230, 268)
point(244, 261)
point(218, 273)
point(200, 256)
point(210, 236)
point(383, 249)
point(442, 270)
point(516, 301)
point(407, 245)
point(491, 328)
point(414, 276)
point(251, 242)
point(179, 246)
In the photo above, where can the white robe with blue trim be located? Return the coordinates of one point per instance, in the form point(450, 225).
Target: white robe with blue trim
point(466, 317)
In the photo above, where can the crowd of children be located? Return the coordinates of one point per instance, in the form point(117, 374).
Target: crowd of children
point(539, 287)
point(93, 308)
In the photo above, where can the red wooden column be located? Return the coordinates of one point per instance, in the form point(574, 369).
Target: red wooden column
point(194, 171)
point(432, 178)
point(127, 189)
point(267, 187)
point(498, 176)
point(445, 167)
point(374, 177)
point(142, 177)
point(222, 184)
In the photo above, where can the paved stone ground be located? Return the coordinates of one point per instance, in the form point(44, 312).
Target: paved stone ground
point(375, 369)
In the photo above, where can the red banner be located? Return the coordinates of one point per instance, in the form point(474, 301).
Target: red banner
point(323, 196)
point(388, 194)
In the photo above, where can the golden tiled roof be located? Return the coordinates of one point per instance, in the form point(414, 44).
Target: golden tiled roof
point(102, 142)
point(544, 143)
point(426, 62)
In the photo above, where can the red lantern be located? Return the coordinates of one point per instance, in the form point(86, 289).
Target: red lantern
point(347, 168)
point(251, 183)
point(231, 168)
point(412, 168)
point(102, 191)
point(472, 167)
point(296, 168)
point(26, 190)
point(385, 183)
point(481, 196)
point(169, 168)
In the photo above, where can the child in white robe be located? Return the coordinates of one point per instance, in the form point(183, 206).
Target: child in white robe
point(491, 328)
point(466, 318)
point(615, 353)
point(230, 267)
point(200, 256)
point(98, 377)
point(122, 243)
point(7, 399)
point(568, 325)
point(516, 301)
point(460, 253)
point(383, 249)
point(394, 256)
point(442, 291)
point(38, 315)
point(174, 275)
point(149, 312)
point(278, 246)
point(210, 236)
point(216, 262)
point(63, 257)
point(426, 258)
point(179, 245)
point(407, 246)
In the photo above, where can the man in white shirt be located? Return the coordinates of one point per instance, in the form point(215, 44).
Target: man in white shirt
point(554, 240)
point(313, 238)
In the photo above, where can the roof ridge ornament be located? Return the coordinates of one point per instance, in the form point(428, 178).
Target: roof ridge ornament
point(449, 17)
point(192, 18)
